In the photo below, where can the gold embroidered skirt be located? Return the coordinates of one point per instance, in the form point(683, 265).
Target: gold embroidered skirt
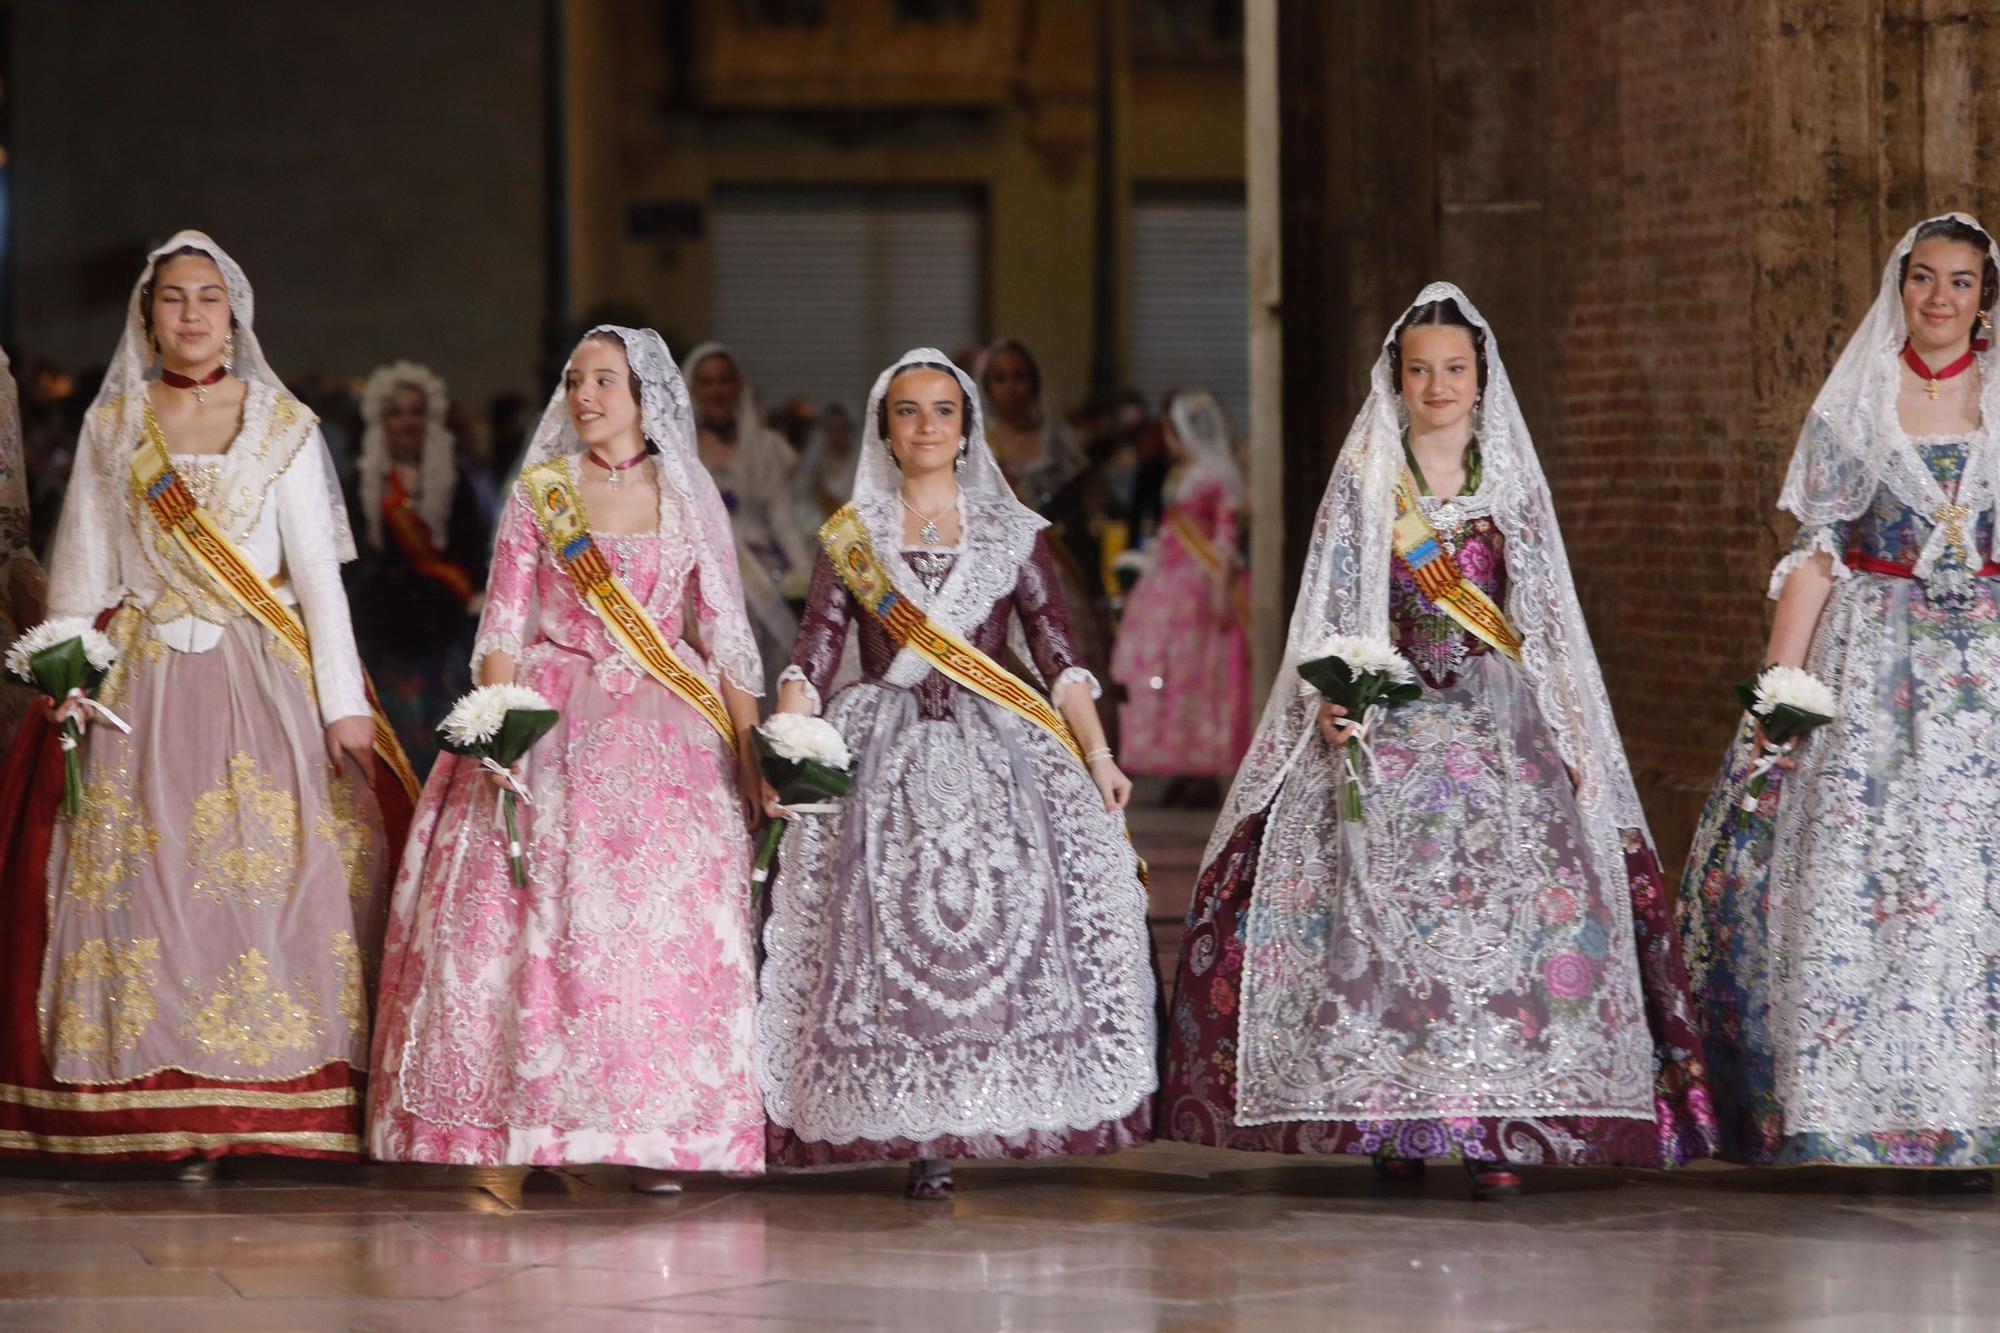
point(218, 906)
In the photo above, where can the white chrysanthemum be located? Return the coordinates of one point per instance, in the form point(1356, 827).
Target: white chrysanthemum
point(476, 718)
point(97, 649)
point(1791, 687)
point(800, 738)
point(1365, 657)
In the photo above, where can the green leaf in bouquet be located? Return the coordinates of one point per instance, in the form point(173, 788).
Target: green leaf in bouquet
point(519, 731)
point(1786, 723)
point(61, 667)
point(1746, 691)
point(1332, 677)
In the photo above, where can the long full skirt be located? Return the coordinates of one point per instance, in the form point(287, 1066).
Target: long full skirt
point(1844, 935)
point(957, 962)
point(1464, 973)
point(188, 963)
point(603, 1013)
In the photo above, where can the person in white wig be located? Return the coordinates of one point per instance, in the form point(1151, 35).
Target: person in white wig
point(1841, 919)
point(417, 587)
point(1446, 937)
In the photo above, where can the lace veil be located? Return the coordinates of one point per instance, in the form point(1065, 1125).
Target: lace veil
point(1852, 442)
point(246, 470)
point(763, 454)
point(438, 469)
point(1203, 428)
point(1345, 591)
point(689, 502)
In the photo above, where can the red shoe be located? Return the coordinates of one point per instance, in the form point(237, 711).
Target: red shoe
point(1492, 1180)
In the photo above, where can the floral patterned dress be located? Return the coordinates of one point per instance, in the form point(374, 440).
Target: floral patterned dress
point(1844, 936)
point(604, 1012)
point(1476, 988)
point(1186, 673)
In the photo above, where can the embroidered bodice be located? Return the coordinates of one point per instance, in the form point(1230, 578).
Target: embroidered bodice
point(1893, 531)
point(532, 605)
point(1035, 598)
point(1436, 645)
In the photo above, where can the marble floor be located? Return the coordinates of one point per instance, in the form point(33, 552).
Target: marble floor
point(1165, 1237)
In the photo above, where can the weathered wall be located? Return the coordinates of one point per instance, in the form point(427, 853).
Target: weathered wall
point(1673, 214)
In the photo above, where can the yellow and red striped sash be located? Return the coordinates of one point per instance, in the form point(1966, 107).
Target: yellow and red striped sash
point(559, 510)
point(173, 507)
point(1203, 550)
point(1439, 577)
point(846, 543)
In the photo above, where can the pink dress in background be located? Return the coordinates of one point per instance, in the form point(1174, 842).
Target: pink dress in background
point(1186, 673)
point(605, 1012)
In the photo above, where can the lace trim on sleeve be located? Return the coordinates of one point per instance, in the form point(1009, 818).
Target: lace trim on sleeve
point(792, 672)
point(1818, 541)
point(496, 641)
point(1073, 674)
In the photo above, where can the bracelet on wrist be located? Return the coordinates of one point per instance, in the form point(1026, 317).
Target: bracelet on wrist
point(1101, 752)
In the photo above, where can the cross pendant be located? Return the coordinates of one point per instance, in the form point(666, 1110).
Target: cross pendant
point(1952, 516)
point(1931, 389)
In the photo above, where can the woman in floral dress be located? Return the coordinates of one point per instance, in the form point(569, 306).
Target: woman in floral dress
point(603, 1014)
point(1842, 934)
point(1183, 650)
point(1482, 966)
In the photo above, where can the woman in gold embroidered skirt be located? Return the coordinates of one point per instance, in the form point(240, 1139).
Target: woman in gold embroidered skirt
point(957, 962)
point(188, 961)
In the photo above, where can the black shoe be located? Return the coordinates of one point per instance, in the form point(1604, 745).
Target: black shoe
point(1399, 1170)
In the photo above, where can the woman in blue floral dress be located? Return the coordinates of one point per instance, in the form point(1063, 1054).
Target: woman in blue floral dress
point(1844, 931)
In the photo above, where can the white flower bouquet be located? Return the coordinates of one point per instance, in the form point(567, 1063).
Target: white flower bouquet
point(1790, 703)
point(67, 659)
point(1363, 676)
point(497, 724)
point(806, 759)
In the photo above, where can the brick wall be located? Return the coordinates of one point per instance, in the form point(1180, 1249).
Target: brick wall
point(1674, 214)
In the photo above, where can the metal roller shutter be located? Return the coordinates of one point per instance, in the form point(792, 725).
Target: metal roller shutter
point(1190, 306)
point(817, 289)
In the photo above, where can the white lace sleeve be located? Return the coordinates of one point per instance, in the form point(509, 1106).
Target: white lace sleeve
point(312, 563)
point(1070, 677)
point(1822, 539)
point(792, 672)
point(83, 566)
point(508, 618)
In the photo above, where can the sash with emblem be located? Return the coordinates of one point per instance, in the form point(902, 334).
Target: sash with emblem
point(230, 573)
point(552, 495)
point(1439, 577)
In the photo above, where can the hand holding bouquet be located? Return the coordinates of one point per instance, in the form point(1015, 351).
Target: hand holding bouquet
point(1363, 676)
point(806, 759)
point(1788, 703)
point(497, 724)
point(67, 660)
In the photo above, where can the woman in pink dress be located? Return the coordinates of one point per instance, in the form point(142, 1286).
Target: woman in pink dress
point(604, 1013)
point(1183, 652)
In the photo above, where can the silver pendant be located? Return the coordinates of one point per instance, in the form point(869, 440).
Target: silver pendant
point(930, 533)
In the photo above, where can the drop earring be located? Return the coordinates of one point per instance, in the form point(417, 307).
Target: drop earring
point(1986, 322)
point(229, 350)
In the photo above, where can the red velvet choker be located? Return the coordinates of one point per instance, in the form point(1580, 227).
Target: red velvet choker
point(175, 380)
point(615, 468)
point(1931, 377)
